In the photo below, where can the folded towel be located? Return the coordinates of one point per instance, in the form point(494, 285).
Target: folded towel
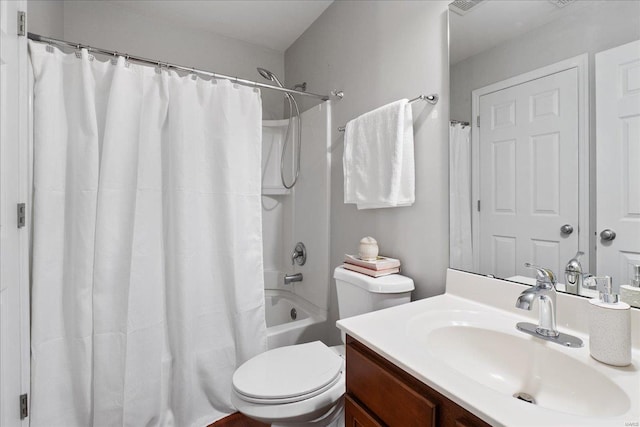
point(378, 158)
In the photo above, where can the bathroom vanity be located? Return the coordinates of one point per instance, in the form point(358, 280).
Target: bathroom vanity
point(379, 393)
point(458, 360)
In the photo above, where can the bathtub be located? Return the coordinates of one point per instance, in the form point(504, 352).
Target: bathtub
point(291, 319)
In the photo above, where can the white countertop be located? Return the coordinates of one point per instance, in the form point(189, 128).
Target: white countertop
point(399, 335)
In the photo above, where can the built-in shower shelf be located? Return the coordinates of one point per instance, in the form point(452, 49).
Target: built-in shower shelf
point(273, 135)
point(275, 191)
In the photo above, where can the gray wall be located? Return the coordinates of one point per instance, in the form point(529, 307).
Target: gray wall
point(46, 17)
point(378, 52)
point(112, 26)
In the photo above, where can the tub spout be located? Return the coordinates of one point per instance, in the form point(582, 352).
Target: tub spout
point(290, 278)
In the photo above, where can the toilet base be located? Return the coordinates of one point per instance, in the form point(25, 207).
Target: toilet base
point(334, 418)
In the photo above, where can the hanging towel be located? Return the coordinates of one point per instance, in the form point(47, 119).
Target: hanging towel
point(378, 160)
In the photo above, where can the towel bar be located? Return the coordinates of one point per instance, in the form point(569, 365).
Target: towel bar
point(431, 99)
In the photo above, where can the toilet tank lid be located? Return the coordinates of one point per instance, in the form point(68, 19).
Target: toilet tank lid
point(390, 284)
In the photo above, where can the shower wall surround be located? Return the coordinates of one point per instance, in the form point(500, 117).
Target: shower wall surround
point(378, 52)
point(302, 213)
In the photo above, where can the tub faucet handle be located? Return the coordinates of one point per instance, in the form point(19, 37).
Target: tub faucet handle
point(299, 254)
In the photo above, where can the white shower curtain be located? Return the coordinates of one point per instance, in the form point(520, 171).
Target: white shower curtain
point(147, 251)
point(461, 252)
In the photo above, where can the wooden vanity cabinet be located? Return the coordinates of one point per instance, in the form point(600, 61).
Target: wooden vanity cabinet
point(381, 394)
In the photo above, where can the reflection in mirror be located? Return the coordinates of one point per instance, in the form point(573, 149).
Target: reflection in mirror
point(545, 141)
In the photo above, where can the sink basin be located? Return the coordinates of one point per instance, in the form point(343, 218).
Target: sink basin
point(464, 344)
point(510, 364)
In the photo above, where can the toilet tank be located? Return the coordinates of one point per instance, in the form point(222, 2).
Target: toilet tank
point(358, 293)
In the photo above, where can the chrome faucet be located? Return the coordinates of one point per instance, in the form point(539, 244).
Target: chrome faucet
point(545, 293)
point(574, 277)
point(298, 256)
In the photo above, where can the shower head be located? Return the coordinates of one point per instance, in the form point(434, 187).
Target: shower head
point(265, 73)
point(269, 76)
point(293, 104)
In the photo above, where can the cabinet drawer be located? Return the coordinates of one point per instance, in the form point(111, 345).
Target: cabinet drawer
point(395, 403)
point(356, 416)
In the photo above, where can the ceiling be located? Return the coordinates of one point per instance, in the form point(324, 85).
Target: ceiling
point(492, 22)
point(274, 24)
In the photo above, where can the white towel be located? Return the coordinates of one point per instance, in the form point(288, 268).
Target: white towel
point(378, 163)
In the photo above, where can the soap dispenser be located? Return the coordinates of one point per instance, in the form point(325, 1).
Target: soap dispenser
point(609, 326)
point(631, 293)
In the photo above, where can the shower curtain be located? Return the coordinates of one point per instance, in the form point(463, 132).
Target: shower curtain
point(461, 251)
point(147, 253)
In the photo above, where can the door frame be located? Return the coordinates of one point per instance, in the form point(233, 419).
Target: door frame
point(14, 187)
point(581, 64)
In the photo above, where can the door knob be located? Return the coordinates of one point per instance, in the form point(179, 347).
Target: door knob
point(566, 229)
point(607, 234)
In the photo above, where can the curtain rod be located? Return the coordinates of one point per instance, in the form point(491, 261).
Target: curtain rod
point(431, 99)
point(49, 40)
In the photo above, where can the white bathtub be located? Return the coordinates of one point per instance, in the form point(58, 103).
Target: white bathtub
point(282, 329)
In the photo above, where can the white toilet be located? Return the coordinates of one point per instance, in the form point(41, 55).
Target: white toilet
point(303, 384)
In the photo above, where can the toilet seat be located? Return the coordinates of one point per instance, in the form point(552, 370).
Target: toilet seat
point(288, 374)
point(309, 408)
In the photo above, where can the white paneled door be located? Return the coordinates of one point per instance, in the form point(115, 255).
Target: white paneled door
point(618, 161)
point(528, 175)
point(14, 299)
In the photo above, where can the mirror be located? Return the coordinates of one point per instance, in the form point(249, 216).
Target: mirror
point(545, 141)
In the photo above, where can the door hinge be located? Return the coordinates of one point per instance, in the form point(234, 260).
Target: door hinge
point(22, 23)
point(478, 205)
point(22, 215)
point(478, 121)
point(24, 406)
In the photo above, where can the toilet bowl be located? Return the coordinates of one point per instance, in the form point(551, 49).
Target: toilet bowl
point(295, 385)
point(302, 385)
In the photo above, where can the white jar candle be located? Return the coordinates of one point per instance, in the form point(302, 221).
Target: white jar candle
point(368, 250)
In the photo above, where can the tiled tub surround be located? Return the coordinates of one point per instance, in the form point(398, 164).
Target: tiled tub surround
point(402, 335)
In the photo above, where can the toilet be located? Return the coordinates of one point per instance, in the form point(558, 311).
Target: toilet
point(302, 385)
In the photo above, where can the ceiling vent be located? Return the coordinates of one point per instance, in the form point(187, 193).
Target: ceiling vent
point(462, 7)
point(561, 3)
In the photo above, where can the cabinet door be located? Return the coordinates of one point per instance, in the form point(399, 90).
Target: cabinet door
point(468, 421)
point(387, 392)
point(356, 416)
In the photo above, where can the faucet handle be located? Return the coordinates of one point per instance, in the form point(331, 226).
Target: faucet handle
point(543, 275)
point(589, 282)
point(299, 254)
